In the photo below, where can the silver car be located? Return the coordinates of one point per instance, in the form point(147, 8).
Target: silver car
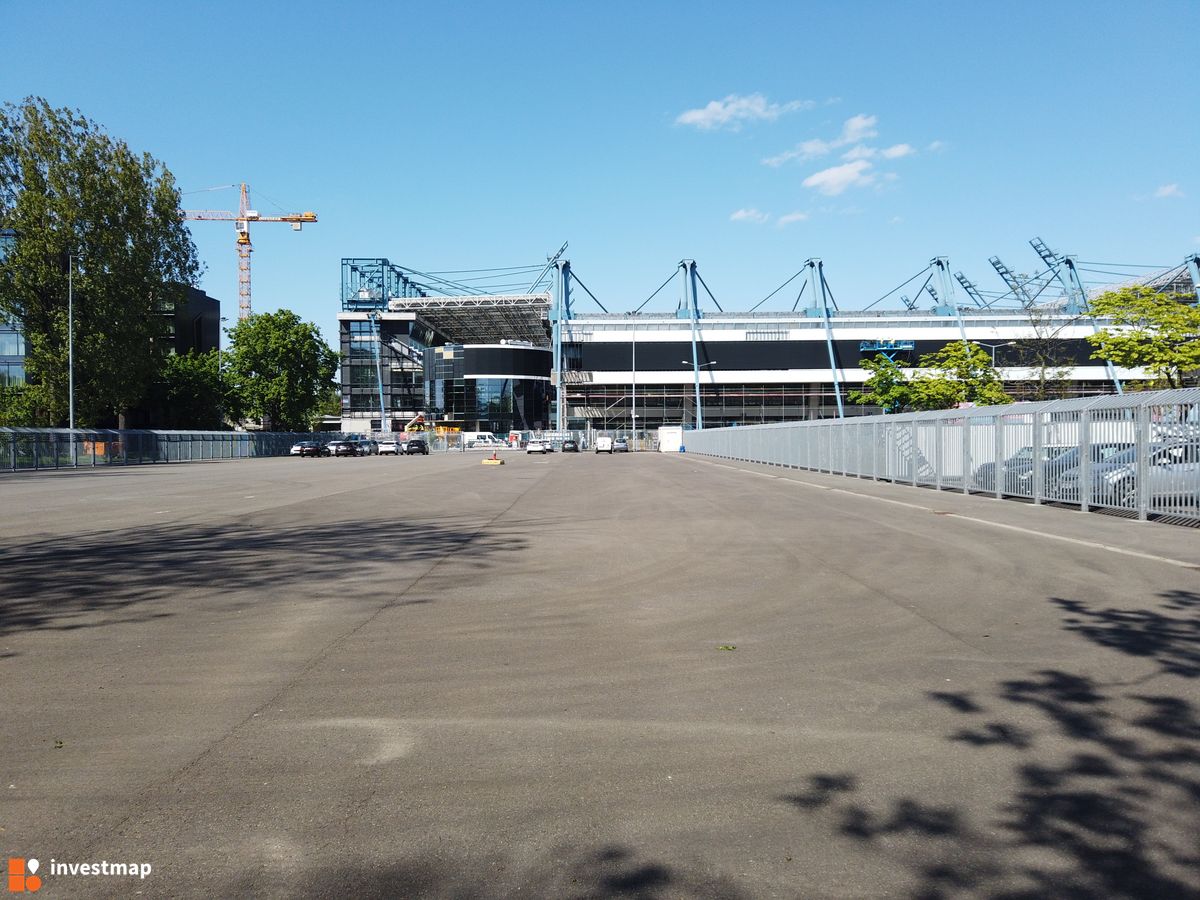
point(1172, 476)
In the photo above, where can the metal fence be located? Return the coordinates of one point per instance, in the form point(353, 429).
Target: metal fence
point(1137, 454)
point(61, 448)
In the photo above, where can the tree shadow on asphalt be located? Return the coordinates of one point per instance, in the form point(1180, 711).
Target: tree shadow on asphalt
point(611, 871)
point(1104, 796)
point(69, 582)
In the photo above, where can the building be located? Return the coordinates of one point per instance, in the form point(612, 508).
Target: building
point(488, 362)
point(196, 326)
point(627, 370)
point(469, 363)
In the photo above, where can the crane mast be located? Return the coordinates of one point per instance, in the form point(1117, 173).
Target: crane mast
point(242, 219)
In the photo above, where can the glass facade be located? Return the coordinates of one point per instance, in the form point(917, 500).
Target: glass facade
point(398, 363)
point(479, 403)
point(12, 355)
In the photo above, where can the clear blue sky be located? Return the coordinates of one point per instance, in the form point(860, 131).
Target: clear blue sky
point(455, 135)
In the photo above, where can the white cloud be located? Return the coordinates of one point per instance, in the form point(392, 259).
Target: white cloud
point(792, 217)
point(937, 146)
point(835, 180)
point(804, 150)
point(854, 129)
point(735, 109)
point(898, 150)
point(861, 151)
point(895, 220)
point(858, 128)
point(750, 215)
point(1168, 190)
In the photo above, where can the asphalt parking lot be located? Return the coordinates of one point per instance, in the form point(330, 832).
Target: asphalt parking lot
point(590, 676)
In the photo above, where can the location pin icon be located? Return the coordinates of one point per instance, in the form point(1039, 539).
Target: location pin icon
point(31, 865)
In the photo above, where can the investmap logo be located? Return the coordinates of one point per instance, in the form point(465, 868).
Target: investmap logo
point(24, 879)
point(22, 875)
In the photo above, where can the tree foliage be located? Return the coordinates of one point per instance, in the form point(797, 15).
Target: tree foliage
point(189, 393)
point(1158, 332)
point(279, 370)
point(69, 190)
point(886, 387)
point(959, 373)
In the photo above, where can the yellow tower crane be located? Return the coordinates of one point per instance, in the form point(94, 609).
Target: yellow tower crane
point(243, 217)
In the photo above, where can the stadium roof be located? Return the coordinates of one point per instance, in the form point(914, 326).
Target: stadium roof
point(485, 318)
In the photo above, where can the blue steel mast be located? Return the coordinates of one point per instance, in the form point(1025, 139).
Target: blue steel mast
point(689, 292)
point(820, 307)
point(561, 315)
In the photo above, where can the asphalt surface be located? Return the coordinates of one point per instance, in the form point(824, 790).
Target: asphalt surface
point(590, 676)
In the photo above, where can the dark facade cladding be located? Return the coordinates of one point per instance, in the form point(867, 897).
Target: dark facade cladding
point(656, 356)
point(518, 362)
point(197, 323)
point(488, 387)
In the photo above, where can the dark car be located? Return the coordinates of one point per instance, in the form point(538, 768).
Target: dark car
point(569, 446)
point(416, 446)
point(312, 448)
point(344, 448)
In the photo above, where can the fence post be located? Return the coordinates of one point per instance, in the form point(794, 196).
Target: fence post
point(1141, 489)
point(998, 440)
point(1039, 470)
point(966, 453)
point(913, 452)
point(938, 453)
point(1085, 459)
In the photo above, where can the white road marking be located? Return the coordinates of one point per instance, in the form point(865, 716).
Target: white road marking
point(1096, 545)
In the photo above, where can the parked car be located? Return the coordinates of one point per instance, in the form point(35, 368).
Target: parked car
point(416, 447)
point(570, 446)
point(309, 448)
point(368, 447)
point(344, 448)
point(391, 447)
point(1019, 468)
point(604, 444)
point(537, 445)
point(620, 445)
point(1172, 475)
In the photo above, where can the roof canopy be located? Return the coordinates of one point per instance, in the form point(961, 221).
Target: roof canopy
point(483, 319)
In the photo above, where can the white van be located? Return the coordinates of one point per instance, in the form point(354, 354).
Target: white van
point(482, 440)
point(604, 444)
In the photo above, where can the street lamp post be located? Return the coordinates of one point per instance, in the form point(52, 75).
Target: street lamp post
point(220, 330)
point(71, 344)
point(633, 388)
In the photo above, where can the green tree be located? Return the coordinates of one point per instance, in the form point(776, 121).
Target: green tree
point(189, 393)
point(279, 370)
point(886, 387)
point(69, 190)
point(1158, 332)
point(961, 372)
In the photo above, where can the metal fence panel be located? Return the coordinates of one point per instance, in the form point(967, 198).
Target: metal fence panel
point(1134, 455)
point(61, 448)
